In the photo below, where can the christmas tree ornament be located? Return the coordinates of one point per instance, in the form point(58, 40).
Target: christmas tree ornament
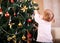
point(10, 25)
point(35, 7)
point(23, 37)
point(9, 38)
point(1, 10)
point(12, 1)
point(24, 8)
point(14, 40)
point(29, 35)
point(20, 24)
point(7, 14)
point(29, 20)
point(14, 36)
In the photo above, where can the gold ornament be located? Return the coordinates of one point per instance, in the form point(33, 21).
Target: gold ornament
point(24, 8)
point(14, 36)
point(9, 38)
point(23, 37)
point(10, 24)
point(35, 7)
point(20, 24)
point(14, 41)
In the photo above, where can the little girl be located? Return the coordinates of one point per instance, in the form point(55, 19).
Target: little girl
point(44, 26)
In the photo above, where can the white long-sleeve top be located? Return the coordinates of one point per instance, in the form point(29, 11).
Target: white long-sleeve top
point(44, 29)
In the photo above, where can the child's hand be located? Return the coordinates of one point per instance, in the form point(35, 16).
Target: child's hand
point(36, 12)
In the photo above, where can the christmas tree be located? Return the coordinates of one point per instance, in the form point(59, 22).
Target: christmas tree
point(17, 23)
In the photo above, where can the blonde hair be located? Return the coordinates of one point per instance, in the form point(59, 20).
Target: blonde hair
point(48, 15)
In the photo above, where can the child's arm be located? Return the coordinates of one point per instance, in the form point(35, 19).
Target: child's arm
point(37, 16)
point(36, 12)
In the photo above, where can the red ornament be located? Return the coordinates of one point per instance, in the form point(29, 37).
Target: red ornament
point(29, 35)
point(12, 1)
point(7, 14)
point(29, 20)
point(0, 11)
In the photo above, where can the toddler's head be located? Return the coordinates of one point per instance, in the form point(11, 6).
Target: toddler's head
point(48, 15)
